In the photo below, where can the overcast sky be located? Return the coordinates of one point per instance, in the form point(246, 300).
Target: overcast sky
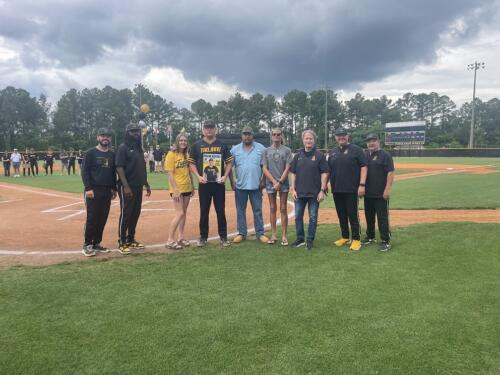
point(187, 49)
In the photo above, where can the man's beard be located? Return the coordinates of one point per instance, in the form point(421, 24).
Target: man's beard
point(104, 144)
point(133, 141)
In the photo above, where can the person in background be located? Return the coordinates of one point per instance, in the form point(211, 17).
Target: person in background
point(181, 190)
point(6, 163)
point(26, 163)
point(276, 161)
point(79, 160)
point(379, 181)
point(64, 161)
point(33, 162)
point(49, 163)
point(348, 179)
point(158, 158)
point(16, 159)
point(151, 160)
point(309, 180)
point(71, 161)
point(247, 159)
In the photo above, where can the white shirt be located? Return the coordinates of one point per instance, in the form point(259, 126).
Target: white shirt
point(15, 157)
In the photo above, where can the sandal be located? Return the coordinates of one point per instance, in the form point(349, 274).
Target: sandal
point(284, 242)
point(173, 246)
point(184, 243)
point(272, 241)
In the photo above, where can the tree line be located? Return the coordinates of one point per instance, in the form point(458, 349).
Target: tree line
point(72, 122)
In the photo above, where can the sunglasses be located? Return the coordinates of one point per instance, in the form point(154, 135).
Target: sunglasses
point(246, 133)
point(276, 134)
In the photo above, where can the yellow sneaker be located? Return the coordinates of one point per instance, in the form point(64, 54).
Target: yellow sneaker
point(263, 239)
point(356, 245)
point(342, 242)
point(239, 238)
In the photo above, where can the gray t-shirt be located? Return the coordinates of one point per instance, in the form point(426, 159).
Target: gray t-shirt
point(276, 160)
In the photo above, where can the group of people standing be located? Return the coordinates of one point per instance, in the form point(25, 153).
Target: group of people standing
point(28, 162)
point(351, 171)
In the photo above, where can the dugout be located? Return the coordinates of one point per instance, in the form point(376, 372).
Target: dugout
point(233, 139)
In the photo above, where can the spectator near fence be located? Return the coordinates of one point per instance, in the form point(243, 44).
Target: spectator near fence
point(16, 159)
point(6, 163)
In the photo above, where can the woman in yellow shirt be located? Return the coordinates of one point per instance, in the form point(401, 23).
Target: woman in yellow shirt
point(181, 190)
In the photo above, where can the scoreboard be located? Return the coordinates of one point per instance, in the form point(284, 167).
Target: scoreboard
point(405, 133)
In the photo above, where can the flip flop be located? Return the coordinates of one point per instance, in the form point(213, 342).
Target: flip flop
point(271, 242)
point(173, 246)
point(284, 242)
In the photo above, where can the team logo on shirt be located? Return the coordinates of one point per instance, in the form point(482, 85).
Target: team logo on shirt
point(346, 151)
point(375, 157)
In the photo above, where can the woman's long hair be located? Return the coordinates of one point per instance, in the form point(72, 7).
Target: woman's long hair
point(178, 147)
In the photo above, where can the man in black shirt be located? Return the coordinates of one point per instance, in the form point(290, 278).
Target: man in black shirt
point(131, 169)
point(211, 162)
point(6, 164)
point(158, 158)
point(99, 179)
point(33, 162)
point(309, 177)
point(378, 190)
point(49, 163)
point(347, 178)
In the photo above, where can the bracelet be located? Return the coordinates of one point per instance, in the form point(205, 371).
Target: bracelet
point(362, 184)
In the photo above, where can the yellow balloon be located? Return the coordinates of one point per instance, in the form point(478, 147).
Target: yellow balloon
point(145, 108)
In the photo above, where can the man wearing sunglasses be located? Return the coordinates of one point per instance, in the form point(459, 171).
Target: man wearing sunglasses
point(276, 161)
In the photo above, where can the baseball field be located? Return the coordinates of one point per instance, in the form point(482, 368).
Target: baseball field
point(428, 306)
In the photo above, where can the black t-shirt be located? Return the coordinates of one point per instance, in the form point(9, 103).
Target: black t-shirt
point(6, 157)
point(98, 169)
point(202, 154)
point(132, 161)
point(33, 158)
point(308, 167)
point(345, 168)
point(72, 159)
point(49, 159)
point(380, 163)
point(158, 155)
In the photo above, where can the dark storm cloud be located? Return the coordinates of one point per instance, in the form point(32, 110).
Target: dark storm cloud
point(262, 45)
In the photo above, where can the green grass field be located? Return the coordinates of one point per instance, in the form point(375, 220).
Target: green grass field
point(444, 160)
point(430, 306)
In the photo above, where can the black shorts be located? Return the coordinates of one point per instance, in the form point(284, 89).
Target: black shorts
point(186, 194)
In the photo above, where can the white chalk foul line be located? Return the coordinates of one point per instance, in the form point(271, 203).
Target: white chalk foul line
point(16, 187)
point(154, 246)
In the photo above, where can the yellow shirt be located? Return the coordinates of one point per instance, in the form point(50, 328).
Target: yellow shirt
point(178, 164)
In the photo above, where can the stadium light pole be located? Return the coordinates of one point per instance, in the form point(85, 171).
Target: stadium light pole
point(475, 67)
point(326, 117)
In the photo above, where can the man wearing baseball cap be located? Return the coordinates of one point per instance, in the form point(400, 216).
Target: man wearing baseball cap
point(99, 180)
point(378, 190)
point(348, 179)
point(248, 165)
point(131, 169)
point(212, 153)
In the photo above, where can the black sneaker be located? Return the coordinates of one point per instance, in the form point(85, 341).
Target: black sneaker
point(309, 245)
point(100, 249)
point(384, 246)
point(298, 243)
point(201, 242)
point(88, 251)
point(367, 241)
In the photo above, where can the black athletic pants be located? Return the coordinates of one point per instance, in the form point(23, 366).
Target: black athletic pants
point(71, 165)
point(6, 169)
point(97, 214)
point(346, 205)
point(130, 210)
point(47, 167)
point(34, 168)
point(218, 193)
point(378, 207)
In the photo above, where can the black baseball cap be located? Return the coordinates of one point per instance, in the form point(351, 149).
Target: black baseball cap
point(209, 124)
point(105, 131)
point(247, 129)
point(132, 126)
point(372, 136)
point(341, 131)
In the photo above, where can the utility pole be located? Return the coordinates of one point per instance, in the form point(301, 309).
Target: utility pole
point(475, 67)
point(326, 117)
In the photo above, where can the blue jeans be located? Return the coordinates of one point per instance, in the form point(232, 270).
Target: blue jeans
point(241, 197)
point(300, 207)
